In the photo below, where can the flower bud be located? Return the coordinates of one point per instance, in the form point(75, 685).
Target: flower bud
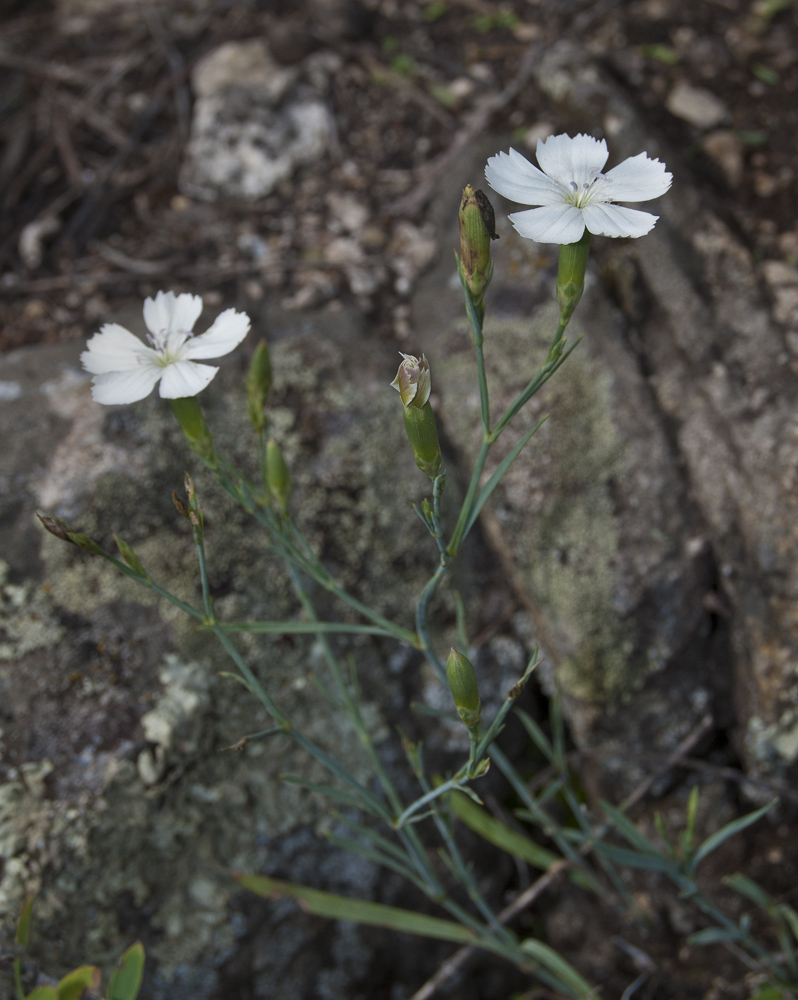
point(192, 423)
point(423, 436)
point(259, 382)
point(477, 229)
point(462, 679)
point(412, 381)
point(278, 478)
point(571, 275)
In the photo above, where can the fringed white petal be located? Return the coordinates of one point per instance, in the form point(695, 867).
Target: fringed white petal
point(111, 388)
point(113, 349)
point(158, 312)
point(570, 160)
point(551, 224)
point(615, 220)
point(226, 333)
point(636, 179)
point(186, 312)
point(185, 378)
point(514, 177)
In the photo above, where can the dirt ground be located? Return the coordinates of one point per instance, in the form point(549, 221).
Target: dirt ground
point(95, 115)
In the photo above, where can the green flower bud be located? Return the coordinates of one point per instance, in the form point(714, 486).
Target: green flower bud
point(423, 436)
point(477, 229)
point(462, 679)
point(130, 557)
point(192, 423)
point(259, 382)
point(278, 478)
point(85, 543)
point(571, 275)
point(412, 381)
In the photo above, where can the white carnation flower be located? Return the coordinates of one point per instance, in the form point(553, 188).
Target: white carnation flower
point(573, 192)
point(125, 369)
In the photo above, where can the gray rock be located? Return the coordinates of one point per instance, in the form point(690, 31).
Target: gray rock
point(116, 805)
point(723, 385)
point(251, 126)
point(697, 106)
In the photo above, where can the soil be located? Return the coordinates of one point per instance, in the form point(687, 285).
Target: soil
point(95, 108)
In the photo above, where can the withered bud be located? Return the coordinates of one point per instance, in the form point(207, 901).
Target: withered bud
point(180, 507)
point(413, 381)
point(55, 526)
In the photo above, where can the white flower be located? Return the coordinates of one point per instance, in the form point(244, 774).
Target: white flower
point(125, 369)
point(574, 193)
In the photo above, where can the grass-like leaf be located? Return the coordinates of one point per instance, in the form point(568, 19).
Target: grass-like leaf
point(327, 904)
point(729, 830)
point(627, 829)
point(555, 963)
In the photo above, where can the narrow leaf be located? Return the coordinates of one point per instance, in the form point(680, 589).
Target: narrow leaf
point(23, 924)
point(126, 977)
point(791, 917)
point(729, 830)
point(342, 795)
point(715, 935)
point(497, 475)
point(327, 904)
point(622, 856)
point(627, 829)
point(748, 888)
point(539, 738)
point(75, 984)
point(301, 628)
point(501, 836)
point(549, 958)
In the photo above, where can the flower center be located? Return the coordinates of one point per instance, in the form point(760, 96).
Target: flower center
point(583, 194)
point(169, 345)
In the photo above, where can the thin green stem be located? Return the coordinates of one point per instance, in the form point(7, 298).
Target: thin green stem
point(422, 618)
point(465, 511)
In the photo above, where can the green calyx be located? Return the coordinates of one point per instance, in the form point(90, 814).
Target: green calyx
point(571, 275)
point(192, 423)
point(477, 229)
point(423, 436)
point(278, 478)
point(259, 383)
point(462, 680)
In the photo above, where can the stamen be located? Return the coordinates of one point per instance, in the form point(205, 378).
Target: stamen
point(574, 185)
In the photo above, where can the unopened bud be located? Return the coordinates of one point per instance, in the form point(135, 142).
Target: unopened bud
point(462, 679)
point(412, 381)
point(477, 229)
point(259, 382)
point(129, 556)
point(278, 478)
point(423, 436)
point(192, 423)
point(571, 275)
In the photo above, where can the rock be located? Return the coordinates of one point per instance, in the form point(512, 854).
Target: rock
point(726, 149)
point(251, 127)
point(697, 106)
point(116, 805)
point(721, 379)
